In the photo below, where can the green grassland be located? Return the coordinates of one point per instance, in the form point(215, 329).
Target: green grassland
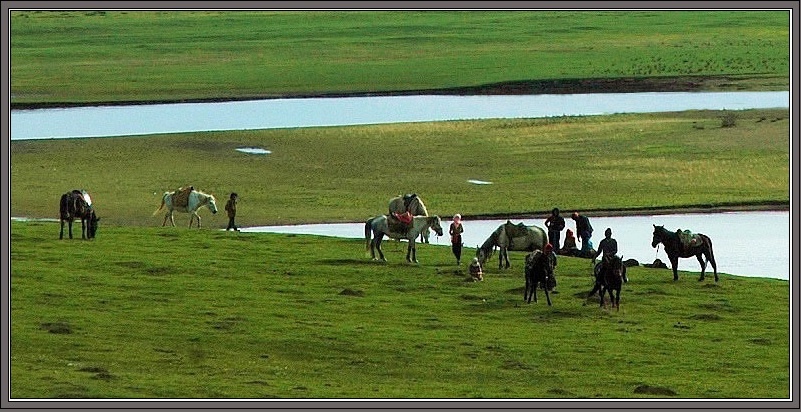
point(177, 313)
point(171, 313)
point(348, 174)
point(112, 56)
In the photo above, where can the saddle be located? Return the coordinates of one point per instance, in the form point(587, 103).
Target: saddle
point(398, 222)
point(515, 230)
point(407, 200)
point(688, 239)
point(180, 198)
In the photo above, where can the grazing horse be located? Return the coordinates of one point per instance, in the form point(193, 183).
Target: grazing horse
point(611, 277)
point(414, 205)
point(700, 247)
point(379, 226)
point(539, 272)
point(510, 236)
point(195, 201)
point(78, 205)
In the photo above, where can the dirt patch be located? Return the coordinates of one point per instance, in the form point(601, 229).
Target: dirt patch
point(654, 390)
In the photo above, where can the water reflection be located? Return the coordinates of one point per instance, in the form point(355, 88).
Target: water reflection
point(753, 244)
point(286, 113)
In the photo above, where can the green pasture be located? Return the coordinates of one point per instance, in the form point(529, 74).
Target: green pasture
point(173, 313)
point(348, 174)
point(107, 56)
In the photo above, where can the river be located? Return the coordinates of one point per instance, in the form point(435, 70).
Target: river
point(106, 121)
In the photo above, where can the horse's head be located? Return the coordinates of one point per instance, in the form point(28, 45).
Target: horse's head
point(91, 231)
point(658, 235)
point(436, 225)
point(212, 204)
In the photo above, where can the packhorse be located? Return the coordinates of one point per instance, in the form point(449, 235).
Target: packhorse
point(77, 204)
point(406, 206)
point(510, 236)
point(376, 227)
point(698, 245)
point(194, 200)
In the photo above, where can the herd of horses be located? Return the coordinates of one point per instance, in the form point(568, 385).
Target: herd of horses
point(539, 267)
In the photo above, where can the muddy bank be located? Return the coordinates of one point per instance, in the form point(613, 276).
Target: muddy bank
point(639, 211)
point(525, 87)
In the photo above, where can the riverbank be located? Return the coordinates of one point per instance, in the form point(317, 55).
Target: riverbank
point(648, 211)
point(510, 88)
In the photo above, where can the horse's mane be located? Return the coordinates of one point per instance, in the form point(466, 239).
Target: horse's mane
point(489, 245)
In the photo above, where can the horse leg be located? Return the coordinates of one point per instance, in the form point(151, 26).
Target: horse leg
point(526, 290)
point(506, 258)
point(703, 266)
point(617, 299)
point(411, 251)
point(69, 225)
point(83, 228)
point(378, 239)
point(547, 294)
point(601, 294)
point(674, 262)
point(61, 234)
point(711, 260)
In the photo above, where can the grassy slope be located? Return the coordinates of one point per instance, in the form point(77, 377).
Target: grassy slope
point(597, 162)
point(173, 313)
point(141, 56)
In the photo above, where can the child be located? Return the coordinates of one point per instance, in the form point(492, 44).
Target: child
point(230, 207)
point(475, 270)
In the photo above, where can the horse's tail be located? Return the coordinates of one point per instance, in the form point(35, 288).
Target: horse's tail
point(160, 206)
point(63, 207)
point(710, 256)
point(368, 229)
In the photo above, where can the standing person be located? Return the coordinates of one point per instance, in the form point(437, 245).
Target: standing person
point(583, 232)
point(456, 231)
point(230, 207)
point(555, 224)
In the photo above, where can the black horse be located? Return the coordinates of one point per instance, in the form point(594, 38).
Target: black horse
point(539, 272)
point(676, 248)
point(78, 205)
point(611, 277)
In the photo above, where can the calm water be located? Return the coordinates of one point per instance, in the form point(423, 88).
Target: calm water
point(288, 113)
point(753, 244)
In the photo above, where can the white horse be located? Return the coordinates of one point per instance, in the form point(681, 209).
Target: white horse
point(195, 201)
point(379, 226)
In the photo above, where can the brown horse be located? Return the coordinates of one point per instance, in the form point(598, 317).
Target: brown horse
point(539, 272)
point(676, 248)
point(78, 205)
point(611, 278)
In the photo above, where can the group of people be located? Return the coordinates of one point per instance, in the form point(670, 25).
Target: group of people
point(555, 223)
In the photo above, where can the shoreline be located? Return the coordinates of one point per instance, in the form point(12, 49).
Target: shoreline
point(643, 211)
point(717, 83)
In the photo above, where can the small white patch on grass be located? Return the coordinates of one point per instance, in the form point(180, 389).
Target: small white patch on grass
point(253, 150)
point(479, 182)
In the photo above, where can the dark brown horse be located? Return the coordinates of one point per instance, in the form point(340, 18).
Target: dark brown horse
point(539, 272)
point(611, 278)
point(78, 205)
point(676, 248)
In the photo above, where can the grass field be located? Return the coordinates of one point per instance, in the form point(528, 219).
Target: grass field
point(145, 312)
point(347, 174)
point(107, 56)
point(173, 313)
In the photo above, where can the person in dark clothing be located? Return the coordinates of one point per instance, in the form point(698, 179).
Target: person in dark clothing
point(456, 231)
point(583, 232)
point(230, 208)
point(607, 247)
point(555, 225)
